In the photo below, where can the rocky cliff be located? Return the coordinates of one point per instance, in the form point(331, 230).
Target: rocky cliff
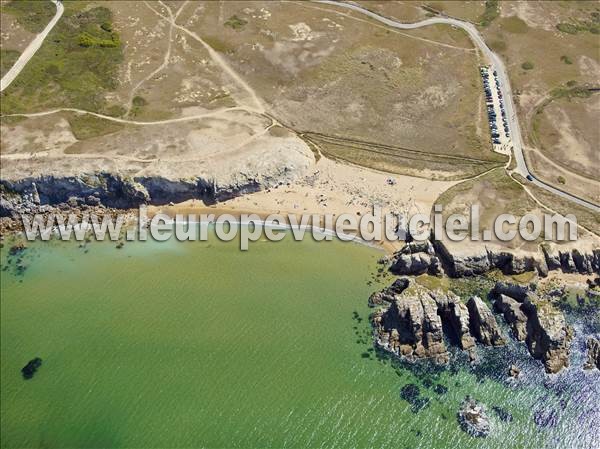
point(25, 195)
point(436, 258)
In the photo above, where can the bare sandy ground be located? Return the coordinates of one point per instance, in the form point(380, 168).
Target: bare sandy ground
point(333, 188)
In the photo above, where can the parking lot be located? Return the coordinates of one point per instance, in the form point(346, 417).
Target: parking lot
point(496, 112)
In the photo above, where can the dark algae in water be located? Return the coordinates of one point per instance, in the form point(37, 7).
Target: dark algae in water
point(411, 394)
point(30, 369)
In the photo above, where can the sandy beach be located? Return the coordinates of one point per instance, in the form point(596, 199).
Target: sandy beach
point(329, 187)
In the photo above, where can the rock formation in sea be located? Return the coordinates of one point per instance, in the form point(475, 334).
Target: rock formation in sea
point(548, 335)
point(513, 315)
point(411, 327)
point(483, 324)
point(411, 321)
point(473, 419)
point(593, 353)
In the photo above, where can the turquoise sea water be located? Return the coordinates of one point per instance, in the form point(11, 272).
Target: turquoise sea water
point(200, 345)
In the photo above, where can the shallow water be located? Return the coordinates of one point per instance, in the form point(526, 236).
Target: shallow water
point(198, 344)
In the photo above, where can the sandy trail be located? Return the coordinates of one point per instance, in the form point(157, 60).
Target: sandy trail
point(32, 48)
point(219, 60)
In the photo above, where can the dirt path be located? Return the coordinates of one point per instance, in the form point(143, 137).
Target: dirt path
point(165, 62)
point(219, 60)
point(32, 48)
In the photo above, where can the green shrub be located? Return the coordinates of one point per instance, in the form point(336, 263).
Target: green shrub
point(566, 59)
point(562, 180)
point(64, 73)
point(567, 28)
point(138, 101)
point(235, 22)
point(527, 65)
point(491, 12)
point(87, 40)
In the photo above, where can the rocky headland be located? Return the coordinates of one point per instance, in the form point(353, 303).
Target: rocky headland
point(412, 321)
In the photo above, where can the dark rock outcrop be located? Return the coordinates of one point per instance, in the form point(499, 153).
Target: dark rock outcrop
point(548, 335)
point(388, 294)
point(593, 353)
point(113, 190)
point(455, 313)
point(484, 259)
point(415, 264)
point(518, 292)
point(513, 315)
point(483, 324)
point(412, 328)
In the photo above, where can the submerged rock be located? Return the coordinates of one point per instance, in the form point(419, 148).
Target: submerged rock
point(483, 324)
point(473, 419)
point(30, 369)
point(593, 353)
point(412, 394)
point(502, 414)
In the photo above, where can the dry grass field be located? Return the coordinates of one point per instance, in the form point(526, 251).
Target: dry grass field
point(328, 72)
point(404, 102)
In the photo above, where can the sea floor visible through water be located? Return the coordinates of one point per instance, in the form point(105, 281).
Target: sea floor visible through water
point(198, 344)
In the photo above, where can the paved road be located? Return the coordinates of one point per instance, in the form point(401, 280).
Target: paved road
point(31, 49)
point(498, 65)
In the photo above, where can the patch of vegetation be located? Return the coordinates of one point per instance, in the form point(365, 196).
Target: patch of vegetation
point(218, 45)
point(85, 39)
point(492, 11)
point(567, 28)
point(7, 60)
point(65, 73)
point(527, 65)
point(573, 91)
point(115, 110)
point(85, 126)
point(566, 59)
point(235, 23)
point(33, 15)
point(574, 28)
point(514, 25)
point(139, 101)
point(562, 180)
point(498, 46)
